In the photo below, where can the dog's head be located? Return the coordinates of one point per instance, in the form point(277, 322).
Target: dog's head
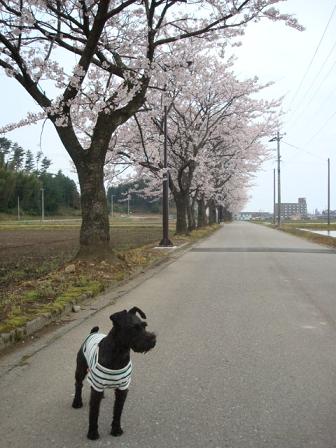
point(132, 330)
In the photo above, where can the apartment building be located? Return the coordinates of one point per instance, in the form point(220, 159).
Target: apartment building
point(292, 209)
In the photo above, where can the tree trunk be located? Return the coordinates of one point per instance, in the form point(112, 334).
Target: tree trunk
point(201, 214)
point(220, 214)
point(227, 216)
point(212, 213)
point(95, 229)
point(181, 213)
point(191, 215)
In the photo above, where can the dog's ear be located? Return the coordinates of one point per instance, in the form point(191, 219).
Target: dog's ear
point(117, 318)
point(135, 309)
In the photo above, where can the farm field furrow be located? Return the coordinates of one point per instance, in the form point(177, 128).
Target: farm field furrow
point(27, 253)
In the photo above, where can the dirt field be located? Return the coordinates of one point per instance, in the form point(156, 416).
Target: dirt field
point(28, 252)
point(34, 281)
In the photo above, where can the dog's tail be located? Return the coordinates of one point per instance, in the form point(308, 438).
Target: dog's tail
point(94, 330)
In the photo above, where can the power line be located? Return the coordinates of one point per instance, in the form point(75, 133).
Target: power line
point(321, 129)
point(322, 105)
point(298, 148)
point(312, 59)
point(306, 104)
point(301, 149)
point(320, 85)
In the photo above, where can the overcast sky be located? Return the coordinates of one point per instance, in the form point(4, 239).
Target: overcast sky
point(303, 68)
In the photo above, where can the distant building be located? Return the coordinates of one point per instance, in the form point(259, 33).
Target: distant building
point(292, 210)
point(332, 214)
point(244, 216)
point(324, 214)
point(250, 216)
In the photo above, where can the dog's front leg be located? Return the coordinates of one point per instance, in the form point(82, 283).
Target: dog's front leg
point(120, 398)
point(95, 400)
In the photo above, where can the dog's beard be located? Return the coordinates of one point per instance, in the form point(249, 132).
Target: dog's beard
point(144, 345)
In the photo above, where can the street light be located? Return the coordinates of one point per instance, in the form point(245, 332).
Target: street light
point(165, 242)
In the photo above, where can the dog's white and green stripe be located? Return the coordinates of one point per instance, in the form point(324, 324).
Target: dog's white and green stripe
point(99, 376)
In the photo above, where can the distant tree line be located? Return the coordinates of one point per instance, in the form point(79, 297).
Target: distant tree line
point(137, 201)
point(22, 178)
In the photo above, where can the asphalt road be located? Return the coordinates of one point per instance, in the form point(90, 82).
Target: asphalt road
point(246, 354)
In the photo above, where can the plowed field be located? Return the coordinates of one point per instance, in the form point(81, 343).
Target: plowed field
point(28, 252)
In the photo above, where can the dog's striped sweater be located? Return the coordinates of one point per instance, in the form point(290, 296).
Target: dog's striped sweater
point(99, 376)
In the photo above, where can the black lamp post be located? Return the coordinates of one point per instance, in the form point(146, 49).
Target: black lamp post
point(165, 242)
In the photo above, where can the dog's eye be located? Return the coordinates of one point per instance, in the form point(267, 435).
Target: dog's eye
point(140, 326)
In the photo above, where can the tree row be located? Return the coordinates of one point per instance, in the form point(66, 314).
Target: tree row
point(23, 177)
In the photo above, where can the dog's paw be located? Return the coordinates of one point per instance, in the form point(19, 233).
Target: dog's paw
point(77, 404)
point(93, 435)
point(116, 431)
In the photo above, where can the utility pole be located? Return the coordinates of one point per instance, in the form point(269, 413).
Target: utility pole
point(274, 211)
point(128, 201)
point(277, 139)
point(279, 182)
point(111, 205)
point(328, 192)
point(165, 242)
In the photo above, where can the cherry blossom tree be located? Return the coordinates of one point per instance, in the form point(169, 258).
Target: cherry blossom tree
point(215, 127)
point(88, 64)
point(224, 176)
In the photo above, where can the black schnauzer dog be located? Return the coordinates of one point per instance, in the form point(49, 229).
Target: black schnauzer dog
point(106, 360)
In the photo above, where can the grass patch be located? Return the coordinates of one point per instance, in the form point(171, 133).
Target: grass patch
point(72, 295)
point(311, 225)
point(310, 236)
point(15, 319)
